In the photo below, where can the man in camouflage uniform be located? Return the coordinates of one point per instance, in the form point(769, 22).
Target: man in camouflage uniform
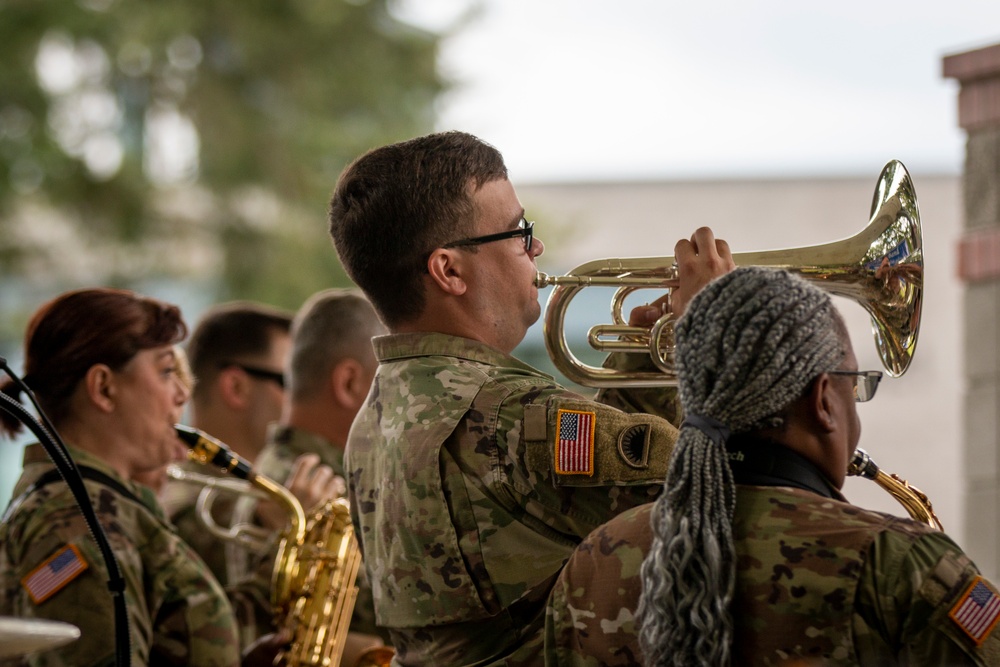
point(238, 352)
point(330, 371)
point(472, 475)
point(817, 581)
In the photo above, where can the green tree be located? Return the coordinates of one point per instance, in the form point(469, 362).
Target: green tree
point(196, 137)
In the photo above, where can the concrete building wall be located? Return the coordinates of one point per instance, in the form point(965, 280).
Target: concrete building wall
point(978, 73)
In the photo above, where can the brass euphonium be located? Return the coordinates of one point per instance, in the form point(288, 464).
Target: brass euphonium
point(881, 268)
point(313, 581)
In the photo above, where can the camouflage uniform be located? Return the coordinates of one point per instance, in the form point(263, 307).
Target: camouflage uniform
point(284, 445)
point(179, 502)
point(818, 580)
point(472, 478)
point(178, 613)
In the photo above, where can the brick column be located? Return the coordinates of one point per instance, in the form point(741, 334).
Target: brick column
point(978, 73)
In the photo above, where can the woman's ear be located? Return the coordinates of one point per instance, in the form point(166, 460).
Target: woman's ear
point(820, 403)
point(101, 387)
point(445, 267)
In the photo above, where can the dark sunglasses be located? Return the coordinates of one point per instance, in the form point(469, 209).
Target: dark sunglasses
point(865, 383)
point(524, 230)
point(259, 373)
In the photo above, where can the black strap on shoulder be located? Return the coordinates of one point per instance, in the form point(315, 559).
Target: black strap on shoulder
point(87, 473)
point(759, 462)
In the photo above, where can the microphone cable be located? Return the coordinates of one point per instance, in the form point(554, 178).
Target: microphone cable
point(57, 451)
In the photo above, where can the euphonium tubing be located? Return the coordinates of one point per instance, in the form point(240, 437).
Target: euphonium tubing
point(881, 268)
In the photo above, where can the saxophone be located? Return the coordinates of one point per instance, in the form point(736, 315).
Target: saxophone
point(915, 501)
point(313, 581)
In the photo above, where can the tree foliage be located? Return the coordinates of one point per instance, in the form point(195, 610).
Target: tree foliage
point(170, 137)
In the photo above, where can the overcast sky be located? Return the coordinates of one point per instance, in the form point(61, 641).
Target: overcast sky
point(621, 89)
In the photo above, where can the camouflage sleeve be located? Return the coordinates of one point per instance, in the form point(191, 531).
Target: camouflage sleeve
point(251, 599)
point(663, 402)
point(83, 601)
point(211, 549)
point(923, 602)
point(176, 613)
point(590, 618)
point(578, 462)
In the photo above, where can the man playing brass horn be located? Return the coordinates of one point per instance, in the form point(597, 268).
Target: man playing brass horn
point(330, 370)
point(752, 556)
point(471, 475)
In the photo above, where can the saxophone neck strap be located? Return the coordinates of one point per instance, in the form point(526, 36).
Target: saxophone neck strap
point(86, 472)
point(760, 462)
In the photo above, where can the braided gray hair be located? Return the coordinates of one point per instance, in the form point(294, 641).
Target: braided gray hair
point(748, 346)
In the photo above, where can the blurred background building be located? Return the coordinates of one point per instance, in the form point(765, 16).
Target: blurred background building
point(978, 257)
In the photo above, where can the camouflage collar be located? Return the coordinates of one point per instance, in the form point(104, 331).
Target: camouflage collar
point(299, 441)
point(395, 347)
point(36, 462)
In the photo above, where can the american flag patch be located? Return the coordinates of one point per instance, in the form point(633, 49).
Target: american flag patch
point(977, 611)
point(48, 578)
point(575, 446)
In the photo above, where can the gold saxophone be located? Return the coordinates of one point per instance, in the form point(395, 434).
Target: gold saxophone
point(915, 501)
point(313, 581)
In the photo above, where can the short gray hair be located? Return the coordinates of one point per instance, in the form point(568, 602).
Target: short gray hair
point(330, 326)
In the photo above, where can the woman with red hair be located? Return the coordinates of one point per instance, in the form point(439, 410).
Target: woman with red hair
point(103, 367)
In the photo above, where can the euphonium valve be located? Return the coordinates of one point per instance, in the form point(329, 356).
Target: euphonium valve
point(881, 268)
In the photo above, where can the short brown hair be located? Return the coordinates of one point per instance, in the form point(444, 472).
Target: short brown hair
point(232, 332)
point(395, 204)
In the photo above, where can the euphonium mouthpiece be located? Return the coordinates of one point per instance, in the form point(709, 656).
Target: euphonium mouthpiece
point(542, 279)
point(207, 450)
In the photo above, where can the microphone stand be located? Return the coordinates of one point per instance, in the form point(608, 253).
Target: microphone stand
point(57, 451)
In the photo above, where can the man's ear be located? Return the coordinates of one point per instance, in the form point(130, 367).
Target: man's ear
point(234, 387)
point(445, 267)
point(820, 398)
point(350, 383)
point(101, 387)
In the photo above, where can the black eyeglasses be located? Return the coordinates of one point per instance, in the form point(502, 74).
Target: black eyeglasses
point(523, 230)
point(865, 383)
point(259, 373)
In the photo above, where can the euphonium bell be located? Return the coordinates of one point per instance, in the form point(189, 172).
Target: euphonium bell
point(881, 268)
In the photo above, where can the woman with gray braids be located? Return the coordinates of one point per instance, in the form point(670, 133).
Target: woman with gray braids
point(758, 340)
point(752, 556)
